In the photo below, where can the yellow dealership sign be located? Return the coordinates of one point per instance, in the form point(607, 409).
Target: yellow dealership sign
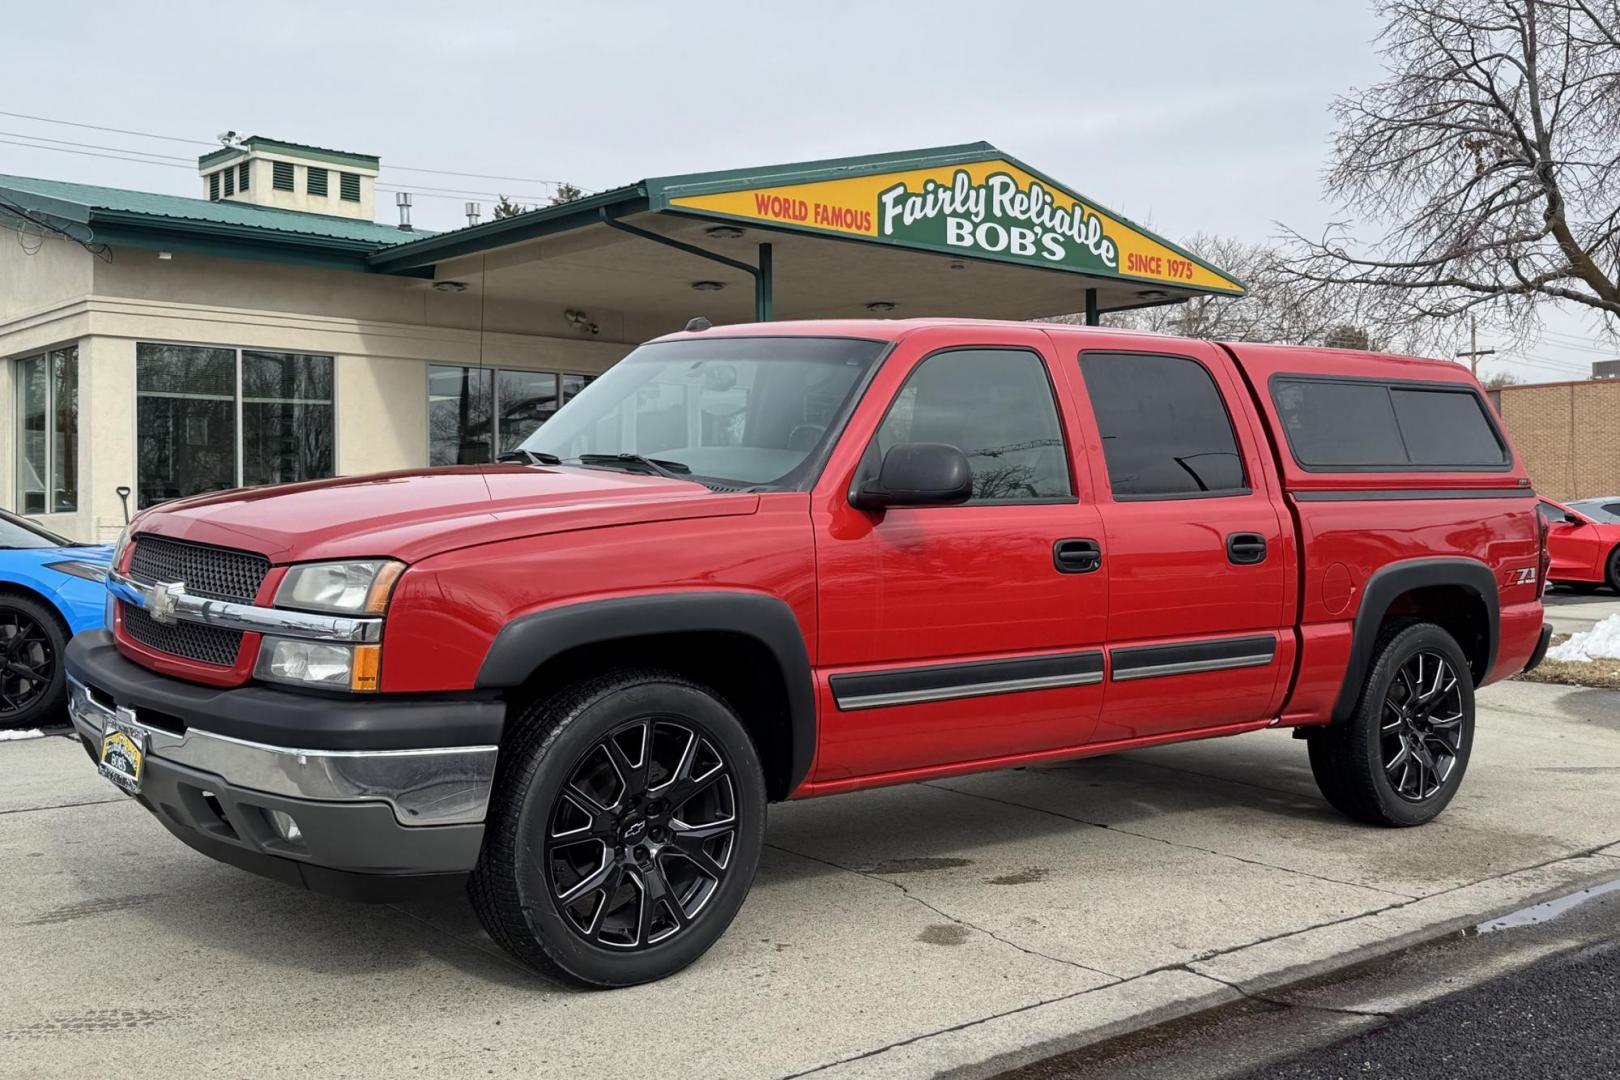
point(993, 208)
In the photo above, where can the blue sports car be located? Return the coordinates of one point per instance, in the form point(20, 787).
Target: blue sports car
point(50, 589)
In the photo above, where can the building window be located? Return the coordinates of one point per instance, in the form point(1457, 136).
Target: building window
point(349, 187)
point(315, 182)
point(242, 174)
point(281, 175)
point(213, 186)
point(230, 181)
point(287, 419)
point(48, 432)
point(208, 419)
point(474, 414)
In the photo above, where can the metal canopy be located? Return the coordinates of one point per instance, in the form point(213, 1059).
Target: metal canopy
point(961, 230)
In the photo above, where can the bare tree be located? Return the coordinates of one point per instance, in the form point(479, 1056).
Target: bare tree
point(1279, 307)
point(1488, 163)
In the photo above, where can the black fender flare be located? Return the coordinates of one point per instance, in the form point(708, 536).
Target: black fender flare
point(530, 640)
point(1389, 582)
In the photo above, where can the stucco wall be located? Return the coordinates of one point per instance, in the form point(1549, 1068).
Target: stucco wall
point(32, 284)
point(382, 331)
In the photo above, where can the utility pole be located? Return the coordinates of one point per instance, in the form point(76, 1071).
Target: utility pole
point(1474, 352)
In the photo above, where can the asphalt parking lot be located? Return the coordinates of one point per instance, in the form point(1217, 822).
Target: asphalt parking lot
point(971, 924)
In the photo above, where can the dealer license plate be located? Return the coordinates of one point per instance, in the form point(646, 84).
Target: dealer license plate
point(123, 751)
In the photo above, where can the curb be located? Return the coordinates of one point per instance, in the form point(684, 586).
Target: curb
point(986, 1047)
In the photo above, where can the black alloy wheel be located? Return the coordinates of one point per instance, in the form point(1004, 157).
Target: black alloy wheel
point(642, 833)
point(1421, 734)
point(624, 829)
point(1400, 757)
point(1613, 573)
point(32, 684)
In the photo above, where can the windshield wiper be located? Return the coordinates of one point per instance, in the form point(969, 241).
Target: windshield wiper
point(530, 457)
point(656, 465)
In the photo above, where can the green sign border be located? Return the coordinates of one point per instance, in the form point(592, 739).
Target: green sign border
point(662, 191)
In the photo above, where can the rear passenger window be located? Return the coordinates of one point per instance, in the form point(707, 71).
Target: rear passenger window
point(1445, 427)
point(1362, 424)
point(996, 406)
point(1165, 430)
point(1339, 424)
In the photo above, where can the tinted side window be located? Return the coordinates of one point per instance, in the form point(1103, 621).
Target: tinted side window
point(1445, 427)
point(1364, 424)
point(996, 406)
point(1164, 427)
point(1334, 423)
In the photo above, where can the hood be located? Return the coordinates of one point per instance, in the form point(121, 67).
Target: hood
point(31, 559)
point(99, 554)
point(411, 515)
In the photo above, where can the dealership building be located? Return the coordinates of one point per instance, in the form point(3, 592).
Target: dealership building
point(269, 330)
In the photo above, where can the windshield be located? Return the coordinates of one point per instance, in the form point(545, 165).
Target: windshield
point(736, 412)
point(1604, 510)
point(16, 532)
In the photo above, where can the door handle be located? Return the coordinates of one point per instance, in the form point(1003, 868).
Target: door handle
point(1078, 556)
point(1246, 548)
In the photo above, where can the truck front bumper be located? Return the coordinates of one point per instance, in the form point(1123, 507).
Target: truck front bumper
point(350, 798)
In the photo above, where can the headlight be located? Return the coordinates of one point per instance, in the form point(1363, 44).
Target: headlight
point(352, 588)
point(89, 571)
point(120, 548)
point(319, 664)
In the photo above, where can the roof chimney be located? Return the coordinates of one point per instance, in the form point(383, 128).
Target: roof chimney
point(291, 176)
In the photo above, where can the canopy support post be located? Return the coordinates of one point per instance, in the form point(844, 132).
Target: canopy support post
point(764, 284)
point(1092, 316)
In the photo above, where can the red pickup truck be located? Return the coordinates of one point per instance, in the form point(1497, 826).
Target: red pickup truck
point(765, 562)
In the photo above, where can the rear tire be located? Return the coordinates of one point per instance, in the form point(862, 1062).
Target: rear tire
point(1401, 756)
point(624, 830)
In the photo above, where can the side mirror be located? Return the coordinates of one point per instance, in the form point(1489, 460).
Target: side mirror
point(917, 474)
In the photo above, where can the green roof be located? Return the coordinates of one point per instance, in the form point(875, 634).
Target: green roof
point(279, 146)
point(80, 202)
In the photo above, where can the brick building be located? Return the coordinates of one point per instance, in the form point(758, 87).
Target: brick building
point(1568, 435)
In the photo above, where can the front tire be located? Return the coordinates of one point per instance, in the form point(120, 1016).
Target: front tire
point(33, 686)
point(1613, 573)
point(624, 830)
point(1401, 756)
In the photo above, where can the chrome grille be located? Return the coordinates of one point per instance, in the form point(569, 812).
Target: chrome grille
point(188, 640)
point(213, 572)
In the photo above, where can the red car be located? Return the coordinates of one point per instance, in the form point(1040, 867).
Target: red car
point(777, 561)
point(1585, 550)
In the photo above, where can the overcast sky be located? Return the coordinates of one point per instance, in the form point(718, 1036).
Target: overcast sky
point(1185, 116)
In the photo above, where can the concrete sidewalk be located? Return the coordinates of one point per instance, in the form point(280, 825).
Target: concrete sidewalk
point(1571, 612)
point(967, 924)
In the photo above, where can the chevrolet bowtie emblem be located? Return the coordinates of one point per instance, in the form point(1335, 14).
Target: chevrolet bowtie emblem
point(161, 600)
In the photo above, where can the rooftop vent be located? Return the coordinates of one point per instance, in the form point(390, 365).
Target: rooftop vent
point(290, 176)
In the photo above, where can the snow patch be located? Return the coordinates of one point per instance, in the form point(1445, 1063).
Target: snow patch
point(1602, 642)
point(11, 735)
